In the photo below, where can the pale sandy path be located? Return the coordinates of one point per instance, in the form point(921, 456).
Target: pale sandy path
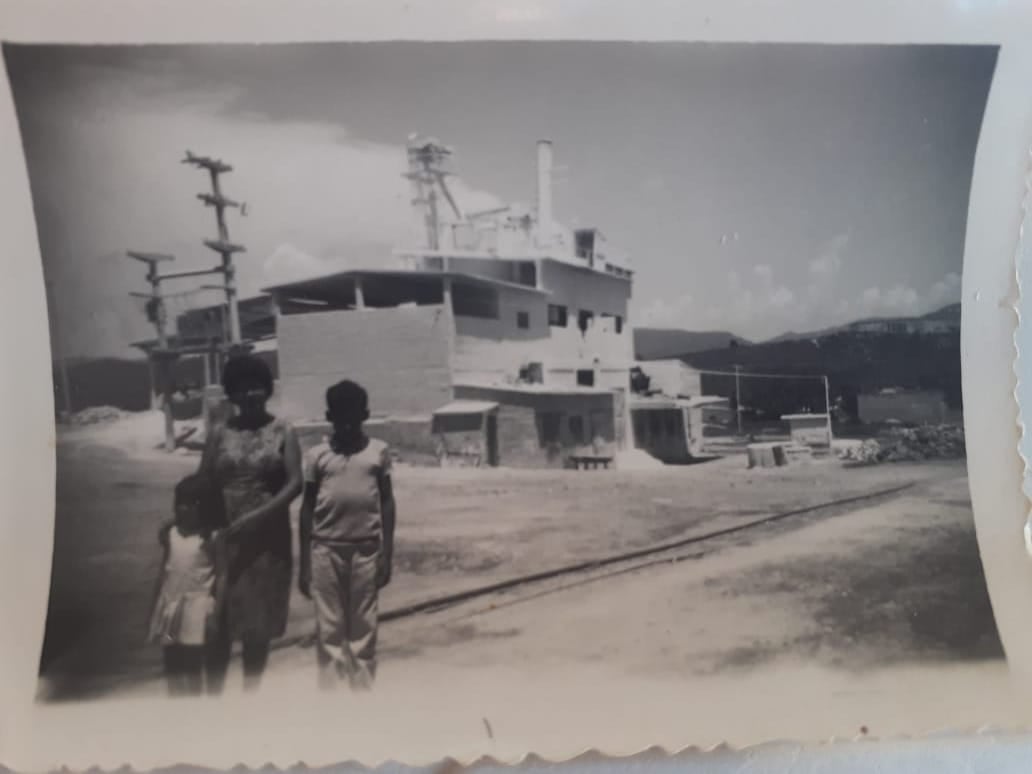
point(744, 645)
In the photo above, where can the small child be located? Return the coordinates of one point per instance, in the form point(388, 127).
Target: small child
point(347, 538)
point(185, 616)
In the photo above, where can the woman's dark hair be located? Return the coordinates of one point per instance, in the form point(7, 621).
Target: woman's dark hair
point(346, 398)
point(245, 370)
point(200, 489)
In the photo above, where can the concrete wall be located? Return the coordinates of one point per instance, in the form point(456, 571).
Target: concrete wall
point(811, 431)
point(399, 355)
point(522, 419)
point(673, 378)
point(908, 407)
point(582, 289)
point(411, 440)
point(663, 433)
point(506, 271)
point(461, 441)
point(494, 350)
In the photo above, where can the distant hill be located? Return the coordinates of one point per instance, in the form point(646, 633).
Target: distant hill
point(854, 363)
point(946, 313)
point(663, 343)
point(951, 312)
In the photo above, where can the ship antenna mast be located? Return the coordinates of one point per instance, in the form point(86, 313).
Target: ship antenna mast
point(427, 173)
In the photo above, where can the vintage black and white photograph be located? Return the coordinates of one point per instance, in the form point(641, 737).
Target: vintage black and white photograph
point(385, 367)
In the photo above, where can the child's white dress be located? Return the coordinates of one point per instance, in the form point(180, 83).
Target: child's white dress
point(186, 600)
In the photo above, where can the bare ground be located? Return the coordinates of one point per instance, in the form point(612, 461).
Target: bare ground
point(828, 599)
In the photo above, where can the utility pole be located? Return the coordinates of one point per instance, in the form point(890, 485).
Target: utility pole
point(162, 355)
point(222, 245)
point(827, 405)
point(738, 397)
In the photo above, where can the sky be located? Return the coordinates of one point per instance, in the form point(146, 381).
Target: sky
point(756, 188)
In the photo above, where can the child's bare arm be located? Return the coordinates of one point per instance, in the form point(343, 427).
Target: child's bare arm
point(388, 513)
point(304, 577)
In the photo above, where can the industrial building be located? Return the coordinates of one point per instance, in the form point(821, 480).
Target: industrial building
point(503, 340)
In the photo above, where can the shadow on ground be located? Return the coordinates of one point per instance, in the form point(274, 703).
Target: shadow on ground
point(922, 599)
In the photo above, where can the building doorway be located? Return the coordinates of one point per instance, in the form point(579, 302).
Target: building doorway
point(492, 440)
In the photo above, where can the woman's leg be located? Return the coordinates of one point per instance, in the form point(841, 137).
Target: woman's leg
point(216, 658)
point(169, 655)
point(255, 657)
point(192, 657)
point(182, 669)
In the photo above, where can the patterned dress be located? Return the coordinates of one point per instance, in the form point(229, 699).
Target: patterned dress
point(249, 467)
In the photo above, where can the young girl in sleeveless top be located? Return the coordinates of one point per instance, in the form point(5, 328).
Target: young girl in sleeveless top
point(186, 614)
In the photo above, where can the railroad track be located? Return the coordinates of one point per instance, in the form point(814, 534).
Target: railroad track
point(593, 570)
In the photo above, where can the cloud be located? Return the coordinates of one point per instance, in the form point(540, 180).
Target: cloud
point(318, 198)
point(946, 291)
point(288, 264)
point(781, 298)
point(902, 300)
point(765, 307)
point(661, 313)
point(897, 300)
point(750, 306)
point(764, 274)
point(829, 261)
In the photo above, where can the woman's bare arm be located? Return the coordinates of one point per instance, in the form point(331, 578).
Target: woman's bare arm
point(388, 513)
point(285, 496)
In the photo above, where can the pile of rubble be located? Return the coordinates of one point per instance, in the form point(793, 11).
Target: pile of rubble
point(867, 452)
point(932, 442)
point(96, 415)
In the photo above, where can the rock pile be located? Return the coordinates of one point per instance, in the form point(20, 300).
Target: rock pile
point(96, 415)
point(931, 442)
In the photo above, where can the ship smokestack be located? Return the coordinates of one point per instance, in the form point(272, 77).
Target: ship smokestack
point(544, 191)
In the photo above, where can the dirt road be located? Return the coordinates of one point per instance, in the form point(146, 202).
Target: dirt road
point(872, 621)
point(894, 584)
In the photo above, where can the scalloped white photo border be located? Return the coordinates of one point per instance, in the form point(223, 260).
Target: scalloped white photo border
point(80, 736)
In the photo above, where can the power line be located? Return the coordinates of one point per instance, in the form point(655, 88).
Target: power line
point(758, 375)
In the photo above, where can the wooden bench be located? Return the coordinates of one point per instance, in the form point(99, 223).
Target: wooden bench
point(589, 461)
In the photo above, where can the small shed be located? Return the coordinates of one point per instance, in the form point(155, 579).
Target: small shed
point(466, 433)
point(809, 429)
point(671, 429)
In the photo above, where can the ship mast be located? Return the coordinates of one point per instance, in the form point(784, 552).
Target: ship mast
point(428, 175)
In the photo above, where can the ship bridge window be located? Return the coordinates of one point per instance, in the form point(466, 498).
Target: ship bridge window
point(557, 316)
point(585, 318)
point(584, 240)
point(474, 301)
point(525, 273)
point(617, 322)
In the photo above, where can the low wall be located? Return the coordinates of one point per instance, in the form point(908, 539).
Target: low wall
point(410, 438)
point(919, 408)
point(535, 430)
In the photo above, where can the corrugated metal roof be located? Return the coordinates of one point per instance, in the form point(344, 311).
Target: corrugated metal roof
point(665, 402)
point(466, 407)
point(310, 283)
point(535, 389)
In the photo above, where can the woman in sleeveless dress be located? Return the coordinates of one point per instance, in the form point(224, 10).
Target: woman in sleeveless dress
point(255, 460)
